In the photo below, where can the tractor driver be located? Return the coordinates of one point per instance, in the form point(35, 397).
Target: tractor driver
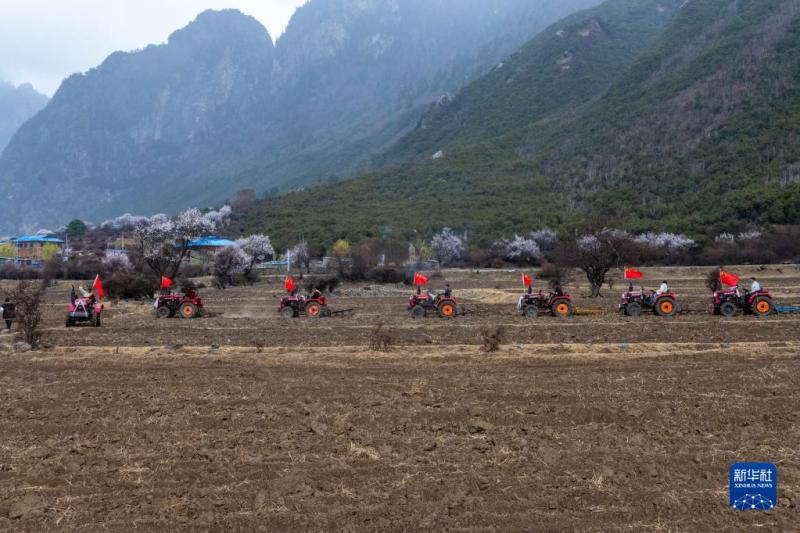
point(755, 286)
point(663, 289)
point(315, 294)
point(448, 292)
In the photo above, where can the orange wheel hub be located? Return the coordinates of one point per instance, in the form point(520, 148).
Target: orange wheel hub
point(448, 310)
point(666, 307)
point(763, 307)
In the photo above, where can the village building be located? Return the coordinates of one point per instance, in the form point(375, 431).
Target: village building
point(37, 246)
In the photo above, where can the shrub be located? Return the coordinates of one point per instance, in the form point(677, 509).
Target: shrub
point(491, 339)
point(18, 272)
point(324, 284)
point(129, 285)
point(386, 275)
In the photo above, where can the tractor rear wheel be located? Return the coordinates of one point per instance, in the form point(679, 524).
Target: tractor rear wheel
point(633, 309)
point(417, 312)
point(313, 310)
point(287, 313)
point(188, 310)
point(563, 309)
point(762, 306)
point(666, 307)
point(447, 310)
point(531, 311)
point(163, 312)
point(728, 309)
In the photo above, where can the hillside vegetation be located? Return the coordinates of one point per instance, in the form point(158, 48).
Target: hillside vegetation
point(692, 129)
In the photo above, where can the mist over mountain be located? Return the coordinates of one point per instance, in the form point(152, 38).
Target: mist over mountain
point(17, 104)
point(219, 107)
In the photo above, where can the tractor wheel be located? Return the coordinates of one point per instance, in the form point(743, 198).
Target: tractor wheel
point(633, 309)
point(531, 311)
point(313, 310)
point(163, 312)
point(188, 310)
point(70, 322)
point(287, 313)
point(563, 309)
point(762, 306)
point(728, 309)
point(417, 312)
point(666, 307)
point(447, 310)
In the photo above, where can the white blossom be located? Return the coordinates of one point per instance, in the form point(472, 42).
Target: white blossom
point(725, 238)
point(220, 216)
point(520, 250)
point(546, 238)
point(447, 246)
point(231, 260)
point(116, 261)
point(668, 241)
point(126, 221)
point(749, 235)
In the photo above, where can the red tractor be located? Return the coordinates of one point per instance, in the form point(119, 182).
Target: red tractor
point(634, 302)
point(313, 306)
point(83, 310)
point(187, 305)
point(730, 302)
point(421, 303)
point(533, 304)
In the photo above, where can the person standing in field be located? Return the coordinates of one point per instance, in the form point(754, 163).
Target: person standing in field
point(8, 313)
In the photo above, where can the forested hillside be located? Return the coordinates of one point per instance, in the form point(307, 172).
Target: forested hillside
point(697, 133)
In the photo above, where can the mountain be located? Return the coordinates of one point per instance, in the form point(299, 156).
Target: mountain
point(219, 107)
point(472, 162)
point(17, 104)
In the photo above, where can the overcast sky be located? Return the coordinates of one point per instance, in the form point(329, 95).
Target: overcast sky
point(44, 41)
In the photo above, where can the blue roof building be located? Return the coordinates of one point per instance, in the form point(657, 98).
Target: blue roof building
point(211, 242)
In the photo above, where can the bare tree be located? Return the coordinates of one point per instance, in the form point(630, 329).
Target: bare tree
point(596, 253)
point(28, 299)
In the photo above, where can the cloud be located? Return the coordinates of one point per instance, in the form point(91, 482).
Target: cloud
point(44, 41)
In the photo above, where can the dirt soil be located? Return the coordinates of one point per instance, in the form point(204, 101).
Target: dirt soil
point(242, 421)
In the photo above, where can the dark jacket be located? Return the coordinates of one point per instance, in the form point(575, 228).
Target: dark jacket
point(8, 310)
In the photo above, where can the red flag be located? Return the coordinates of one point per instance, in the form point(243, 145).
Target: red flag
point(631, 273)
point(526, 280)
point(166, 283)
point(731, 280)
point(420, 280)
point(289, 284)
point(98, 285)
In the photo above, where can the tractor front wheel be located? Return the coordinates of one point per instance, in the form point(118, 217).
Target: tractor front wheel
point(531, 311)
point(762, 306)
point(728, 309)
point(633, 309)
point(417, 312)
point(287, 313)
point(188, 310)
point(563, 309)
point(666, 307)
point(163, 312)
